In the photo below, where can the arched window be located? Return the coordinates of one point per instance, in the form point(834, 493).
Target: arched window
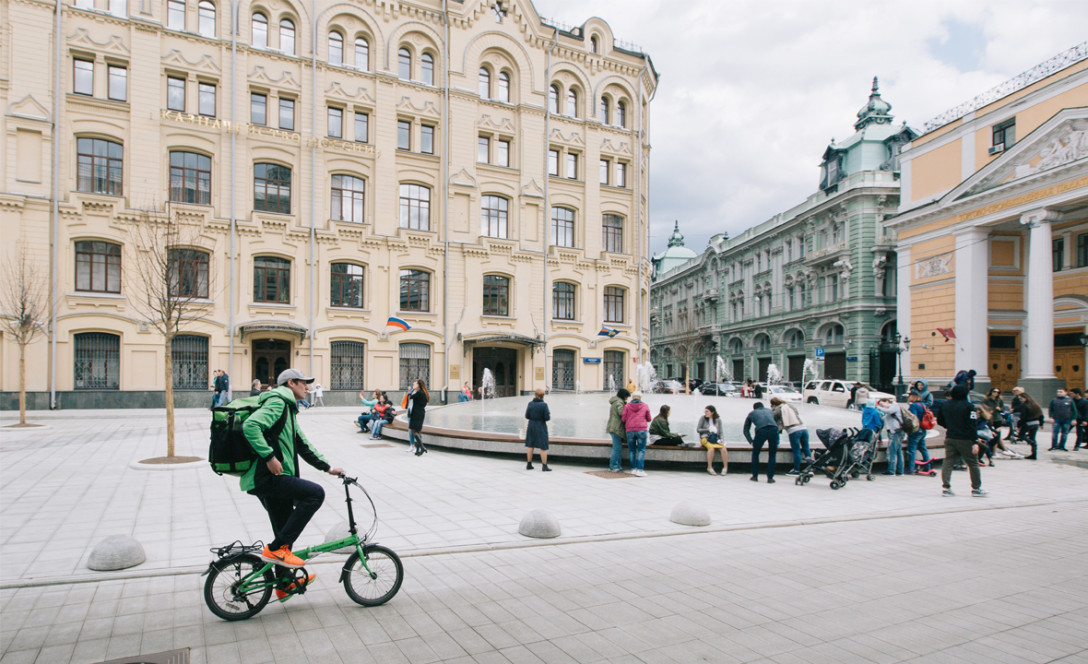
point(763, 344)
point(415, 290)
point(190, 178)
point(563, 301)
point(206, 16)
point(736, 346)
point(604, 110)
point(271, 279)
point(496, 295)
point(503, 92)
point(272, 188)
point(96, 361)
point(493, 211)
point(833, 336)
point(553, 99)
point(594, 45)
point(484, 88)
point(572, 103)
point(562, 227)
point(188, 273)
point(287, 36)
point(621, 114)
point(346, 285)
point(98, 267)
point(427, 67)
point(613, 304)
point(336, 48)
point(347, 198)
point(260, 30)
point(99, 165)
point(795, 339)
point(404, 64)
point(362, 54)
point(415, 207)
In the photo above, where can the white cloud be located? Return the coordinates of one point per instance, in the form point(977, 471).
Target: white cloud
point(752, 91)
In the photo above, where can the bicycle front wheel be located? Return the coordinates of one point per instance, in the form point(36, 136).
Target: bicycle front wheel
point(376, 582)
point(223, 593)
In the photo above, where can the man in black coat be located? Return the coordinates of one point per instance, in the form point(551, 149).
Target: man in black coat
point(1082, 418)
point(960, 420)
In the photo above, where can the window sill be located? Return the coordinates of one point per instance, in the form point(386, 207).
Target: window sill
point(416, 314)
point(498, 317)
point(566, 321)
point(273, 305)
point(353, 310)
point(89, 294)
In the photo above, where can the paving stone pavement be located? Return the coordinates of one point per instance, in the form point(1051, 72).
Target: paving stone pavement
point(885, 571)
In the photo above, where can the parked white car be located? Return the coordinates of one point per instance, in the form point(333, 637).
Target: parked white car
point(837, 393)
point(783, 392)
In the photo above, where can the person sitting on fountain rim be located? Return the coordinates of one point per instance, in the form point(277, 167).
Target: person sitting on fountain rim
point(659, 430)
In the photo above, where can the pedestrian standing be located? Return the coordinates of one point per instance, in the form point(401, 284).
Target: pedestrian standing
point(417, 410)
point(921, 387)
point(893, 422)
point(536, 432)
point(255, 389)
point(616, 430)
point(765, 431)
point(1031, 419)
point(1062, 413)
point(1082, 418)
point(216, 387)
point(916, 441)
point(959, 418)
point(318, 392)
point(788, 420)
point(636, 420)
point(224, 394)
point(861, 396)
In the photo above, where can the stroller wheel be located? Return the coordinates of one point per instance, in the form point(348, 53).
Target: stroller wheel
point(836, 485)
point(855, 474)
point(869, 477)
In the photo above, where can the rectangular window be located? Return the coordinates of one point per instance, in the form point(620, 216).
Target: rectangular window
point(336, 122)
point(572, 166)
point(415, 207)
point(563, 301)
point(190, 178)
point(426, 139)
point(612, 233)
point(98, 267)
point(613, 304)
point(493, 216)
point(562, 227)
point(1004, 135)
point(362, 127)
point(415, 290)
point(272, 188)
point(271, 280)
point(84, 77)
point(118, 77)
point(258, 108)
point(1059, 254)
point(187, 271)
point(483, 149)
point(189, 355)
point(415, 364)
point(613, 368)
point(287, 114)
point(502, 153)
point(496, 296)
point(404, 135)
point(347, 198)
point(175, 14)
point(604, 171)
point(1082, 250)
point(621, 175)
point(175, 94)
point(346, 284)
point(553, 162)
point(207, 99)
point(96, 361)
point(347, 359)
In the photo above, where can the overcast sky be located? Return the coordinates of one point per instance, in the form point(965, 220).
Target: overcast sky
point(752, 91)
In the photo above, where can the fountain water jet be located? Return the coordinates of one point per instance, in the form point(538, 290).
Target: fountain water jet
point(487, 385)
point(774, 374)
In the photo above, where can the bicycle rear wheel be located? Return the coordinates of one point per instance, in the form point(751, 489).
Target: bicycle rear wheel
point(221, 590)
point(377, 586)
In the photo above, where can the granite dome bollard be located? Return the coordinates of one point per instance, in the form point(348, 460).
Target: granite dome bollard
point(116, 552)
point(690, 513)
point(541, 524)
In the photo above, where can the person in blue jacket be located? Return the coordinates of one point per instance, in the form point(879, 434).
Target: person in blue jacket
point(536, 432)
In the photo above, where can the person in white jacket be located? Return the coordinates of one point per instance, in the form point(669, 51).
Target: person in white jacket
point(789, 421)
point(893, 424)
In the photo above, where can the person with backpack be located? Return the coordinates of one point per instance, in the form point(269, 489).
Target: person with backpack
point(289, 500)
point(615, 429)
point(916, 441)
point(960, 418)
point(893, 422)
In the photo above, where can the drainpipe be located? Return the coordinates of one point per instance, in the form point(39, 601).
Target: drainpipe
point(233, 151)
point(313, 174)
point(547, 210)
point(446, 204)
point(638, 202)
point(53, 276)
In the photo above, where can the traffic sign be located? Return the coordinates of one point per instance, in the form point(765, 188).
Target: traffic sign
point(819, 353)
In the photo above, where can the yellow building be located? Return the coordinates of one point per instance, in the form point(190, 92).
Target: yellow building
point(467, 167)
point(993, 235)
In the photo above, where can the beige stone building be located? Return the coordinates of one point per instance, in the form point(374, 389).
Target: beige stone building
point(466, 167)
point(993, 235)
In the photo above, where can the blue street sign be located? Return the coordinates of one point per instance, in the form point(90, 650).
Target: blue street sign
point(852, 358)
point(591, 360)
point(819, 353)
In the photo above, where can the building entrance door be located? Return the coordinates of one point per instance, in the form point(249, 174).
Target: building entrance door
point(1069, 358)
point(270, 358)
point(796, 368)
point(764, 364)
point(503, 363)
point(835, 365)
point(1004, 361)
point(738, 370)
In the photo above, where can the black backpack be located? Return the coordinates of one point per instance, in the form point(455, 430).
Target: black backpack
point(230, 453)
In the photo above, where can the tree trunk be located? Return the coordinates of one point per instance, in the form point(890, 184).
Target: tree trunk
point(22, 383)
point(169, 366)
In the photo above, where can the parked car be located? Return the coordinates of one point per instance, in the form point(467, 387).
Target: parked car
point(667, 387)
point(783, 392)
point(836, 393)
point(720, 389)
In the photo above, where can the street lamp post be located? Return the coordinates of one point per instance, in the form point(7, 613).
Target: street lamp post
point(901, 344)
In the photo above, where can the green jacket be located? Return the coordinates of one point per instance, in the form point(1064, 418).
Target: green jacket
point(660, 427)
point(615, 417)
point(290, 445)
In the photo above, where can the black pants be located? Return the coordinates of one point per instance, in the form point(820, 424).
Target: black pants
point(769, 435)
point(670, 440)
point(290, 502)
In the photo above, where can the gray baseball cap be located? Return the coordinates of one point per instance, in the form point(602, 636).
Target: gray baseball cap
point(292, 374)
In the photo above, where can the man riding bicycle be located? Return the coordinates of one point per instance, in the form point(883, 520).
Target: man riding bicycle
point(289, 500)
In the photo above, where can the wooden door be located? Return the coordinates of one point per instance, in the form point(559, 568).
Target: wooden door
point(1004, 368)
point(270, 358)
point(1069, 365)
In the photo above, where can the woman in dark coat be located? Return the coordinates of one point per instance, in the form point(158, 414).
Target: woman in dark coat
point(536, 433)
point(417, 410)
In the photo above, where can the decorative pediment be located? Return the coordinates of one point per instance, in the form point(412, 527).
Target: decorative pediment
point(114, 43)
point(28, 107)
point(337, 90)
point(205, 62)
point(462, 179)
point(532, 189)
point(498, 124)
point(622, 148)
point(427, 108)
point(286, 78)
point(574, 137)
point(1057, 143)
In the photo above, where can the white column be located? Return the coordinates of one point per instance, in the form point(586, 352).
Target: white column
point(972, 301)
point(1039, 297)
point(902, 305)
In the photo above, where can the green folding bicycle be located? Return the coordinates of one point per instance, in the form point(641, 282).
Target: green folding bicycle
point(240, 582)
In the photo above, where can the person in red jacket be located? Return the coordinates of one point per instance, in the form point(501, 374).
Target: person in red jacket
point(636, 421)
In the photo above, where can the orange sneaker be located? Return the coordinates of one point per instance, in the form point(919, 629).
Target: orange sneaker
point(280, 594)
point(282, 556)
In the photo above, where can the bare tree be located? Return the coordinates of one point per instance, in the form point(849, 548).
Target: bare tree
point(175, 289)
point(24, 302)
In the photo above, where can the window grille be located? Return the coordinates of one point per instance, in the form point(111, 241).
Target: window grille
point(97, 361)
point(348, 361)
point(613, 367)
point(415, 362)
point(563, 369)
point(189, 355)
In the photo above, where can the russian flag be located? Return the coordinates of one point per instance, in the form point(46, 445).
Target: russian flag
point(607, 332)
point(397, 322)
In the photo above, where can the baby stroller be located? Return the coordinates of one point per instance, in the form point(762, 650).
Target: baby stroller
point(863, 453)
point(835, 461)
